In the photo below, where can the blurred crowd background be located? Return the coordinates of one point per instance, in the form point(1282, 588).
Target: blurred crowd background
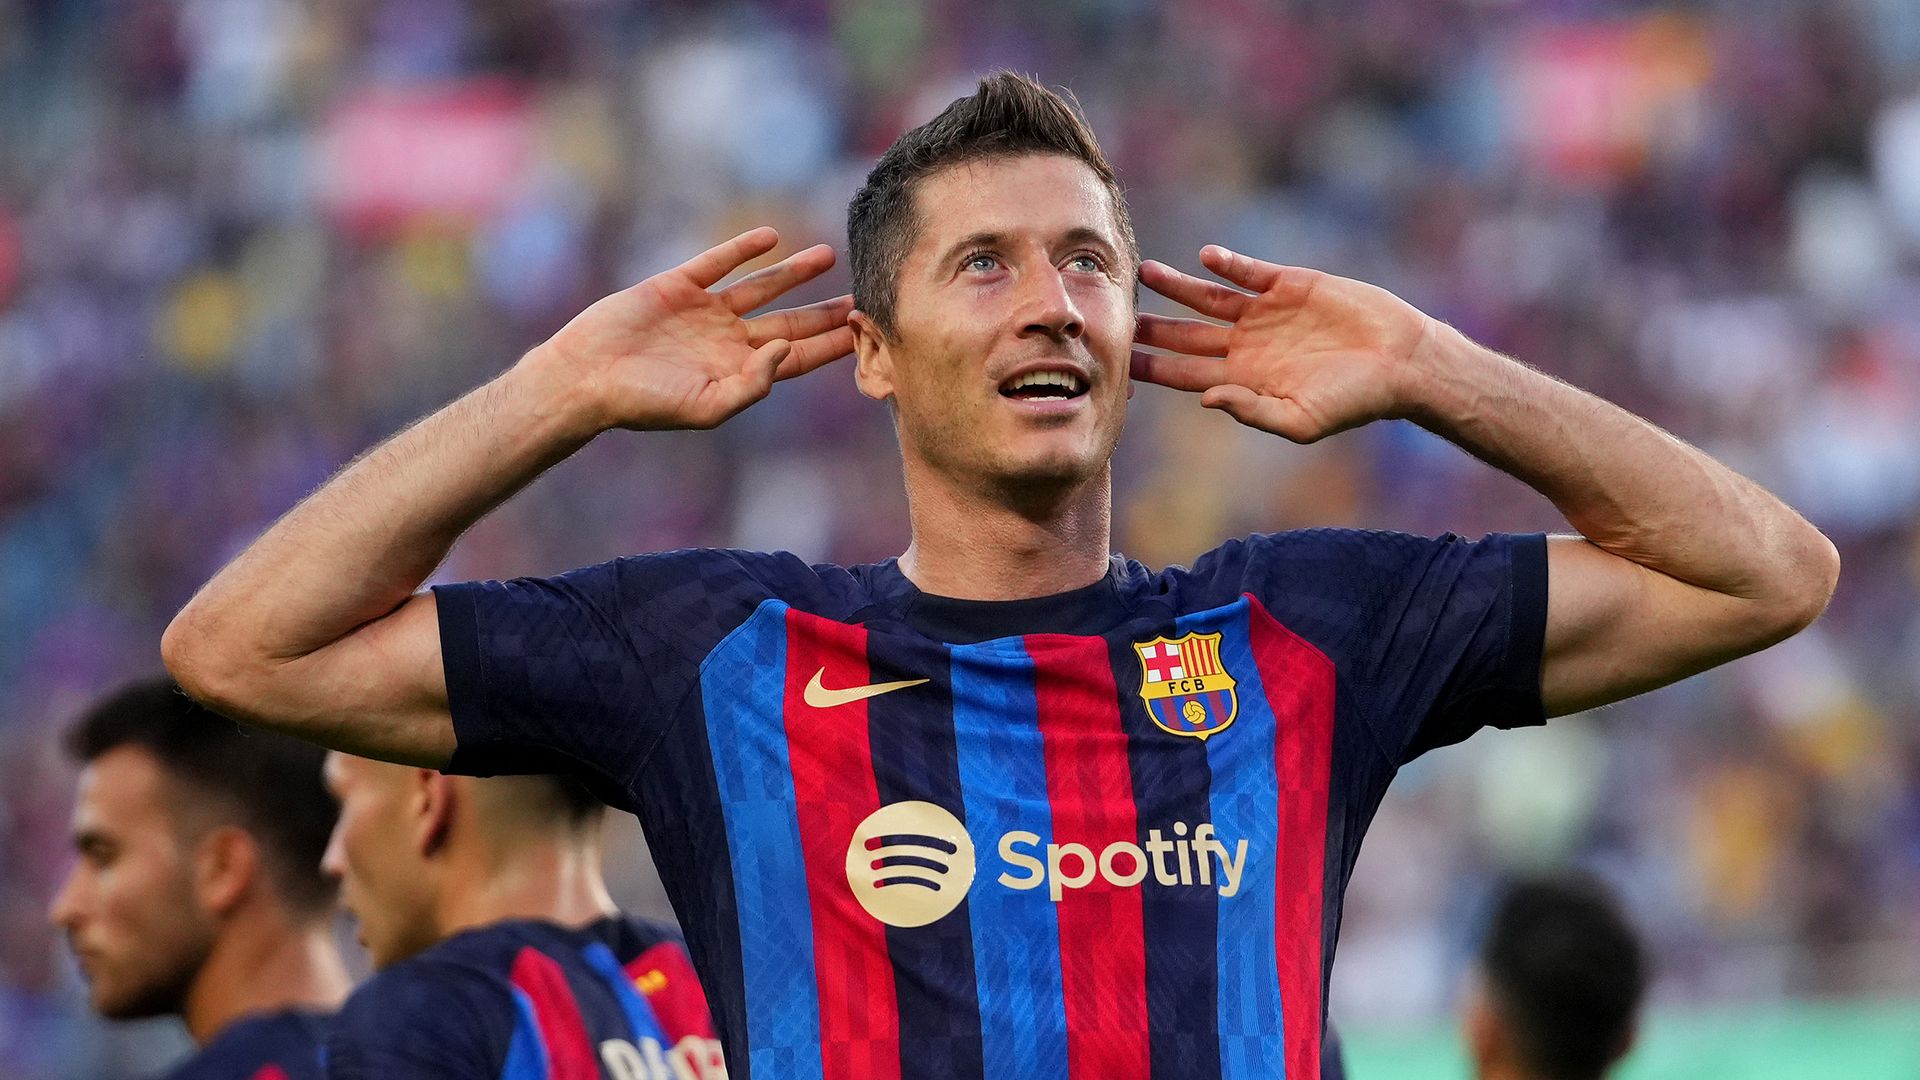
point(242, 240)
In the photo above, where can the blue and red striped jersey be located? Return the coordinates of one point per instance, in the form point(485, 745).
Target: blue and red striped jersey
point(1098, 834)
point(531, 1000)
point(268, 1046)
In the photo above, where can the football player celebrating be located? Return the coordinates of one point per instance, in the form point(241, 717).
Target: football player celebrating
point(197, 891)
point(1009, 804)
point(500, 952)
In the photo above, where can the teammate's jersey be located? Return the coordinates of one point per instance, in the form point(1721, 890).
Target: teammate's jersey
point(270, 1046)
point(1098, 834)
point(530, 1000)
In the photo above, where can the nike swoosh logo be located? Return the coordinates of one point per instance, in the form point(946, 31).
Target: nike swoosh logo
point(818, 696)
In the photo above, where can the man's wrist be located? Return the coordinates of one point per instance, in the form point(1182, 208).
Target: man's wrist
point(1449, 378)
point(558, 399)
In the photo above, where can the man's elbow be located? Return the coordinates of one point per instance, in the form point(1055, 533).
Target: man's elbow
point(1804, 586)
point(202, 666)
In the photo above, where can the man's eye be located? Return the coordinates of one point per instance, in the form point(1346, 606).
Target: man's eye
point(1085, 263)
point(982, 262)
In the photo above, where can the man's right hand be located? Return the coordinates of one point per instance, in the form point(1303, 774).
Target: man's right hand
point(672, 352)
point(315, 629)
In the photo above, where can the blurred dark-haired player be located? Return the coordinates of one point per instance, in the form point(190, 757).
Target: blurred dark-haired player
point(1010, 802)
point(500, 953)
point(198, 890)
point(1557, 990)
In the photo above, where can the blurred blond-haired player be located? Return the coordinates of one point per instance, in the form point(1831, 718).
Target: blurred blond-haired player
point(499, 952)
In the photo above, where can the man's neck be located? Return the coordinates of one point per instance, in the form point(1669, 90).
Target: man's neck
point(536, 879)
point(979, 545)
point(263, 964)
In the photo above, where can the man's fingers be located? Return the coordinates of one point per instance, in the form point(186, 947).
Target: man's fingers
point(1190, 373)
point(1243, 270)
point(1279, 416)
point(815, 352)
point(722, 259)
point(1206, 297)
point(1291, 283)
point(751, 382)
point(762, 286)
point(1191, 336)
point(801, 322)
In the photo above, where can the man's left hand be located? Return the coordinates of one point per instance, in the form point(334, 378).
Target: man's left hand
point(1303, 354)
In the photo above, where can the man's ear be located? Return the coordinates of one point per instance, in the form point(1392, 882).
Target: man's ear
point(226, 867)
point(872, 356)
point(435, 796)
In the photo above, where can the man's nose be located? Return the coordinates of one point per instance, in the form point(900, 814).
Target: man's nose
point(62, 910)
point(1049, 310)
point(333, 861)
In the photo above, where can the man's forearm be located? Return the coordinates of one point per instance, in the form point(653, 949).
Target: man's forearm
point(1630, 488)
point(356, 548)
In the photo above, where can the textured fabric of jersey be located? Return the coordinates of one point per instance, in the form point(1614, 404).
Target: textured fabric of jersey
point(271, 1046)
point(1099, 834)
point(529, 1000)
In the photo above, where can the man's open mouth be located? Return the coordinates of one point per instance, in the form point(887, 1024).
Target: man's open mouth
point(1044, 386)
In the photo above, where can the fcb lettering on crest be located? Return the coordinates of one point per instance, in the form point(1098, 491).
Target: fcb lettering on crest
point(1185, 686)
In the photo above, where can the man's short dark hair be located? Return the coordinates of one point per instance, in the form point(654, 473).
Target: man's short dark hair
point(1009, 115)
point(1566, 973)
point(268, 784)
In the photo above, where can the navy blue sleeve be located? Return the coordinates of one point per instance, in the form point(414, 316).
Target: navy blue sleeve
point(581, 673)
point(422, 1022)
point(1434, 637)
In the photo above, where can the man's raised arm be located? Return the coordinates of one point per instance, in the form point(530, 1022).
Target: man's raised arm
point(1682, 563)
point(316, 630)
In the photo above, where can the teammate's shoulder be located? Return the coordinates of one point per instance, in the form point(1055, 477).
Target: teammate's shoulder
point(287, 1041)
point(444, 1012)
point(472, 966)
point(631, 935)
point(652, 956)
point(455, 997)
point(489, 948)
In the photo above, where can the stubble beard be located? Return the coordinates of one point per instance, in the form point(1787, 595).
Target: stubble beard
point(160, 992)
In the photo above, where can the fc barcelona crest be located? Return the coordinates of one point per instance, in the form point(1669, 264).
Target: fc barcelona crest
point(1186, 687)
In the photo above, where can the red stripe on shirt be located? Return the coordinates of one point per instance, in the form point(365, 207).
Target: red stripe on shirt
point(1299, 681)
point(269, 1072)
point(1103, 966)
point(664, 976)
point(831, 758)
point(562, 1028)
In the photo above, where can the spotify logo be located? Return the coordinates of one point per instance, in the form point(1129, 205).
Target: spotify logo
point(910, 863)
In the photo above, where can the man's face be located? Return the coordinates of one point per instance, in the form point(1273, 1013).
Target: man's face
point(1018, 271)
point(129, 907)
point(374, 852)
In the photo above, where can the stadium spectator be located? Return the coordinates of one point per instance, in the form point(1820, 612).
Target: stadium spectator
point(197, 892)
point(1557, 989)
point(499, 950)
